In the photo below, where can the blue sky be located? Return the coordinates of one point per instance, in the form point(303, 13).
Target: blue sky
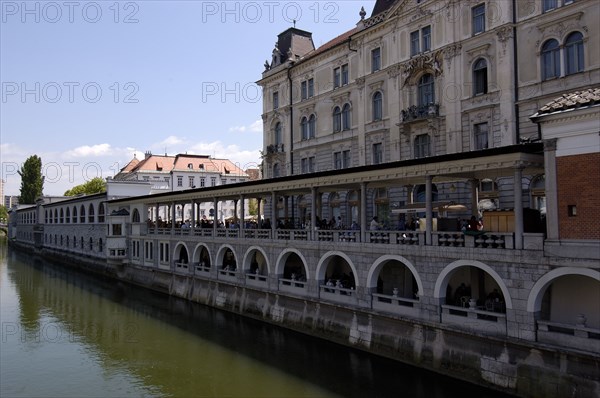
point(85, 85)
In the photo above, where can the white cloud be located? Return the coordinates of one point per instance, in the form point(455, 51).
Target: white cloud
point(254, 127)
point(89, 151)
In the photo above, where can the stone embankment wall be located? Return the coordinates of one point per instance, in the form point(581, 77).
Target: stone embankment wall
point(518, 367)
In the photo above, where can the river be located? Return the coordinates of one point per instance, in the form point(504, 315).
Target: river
point(69, 334)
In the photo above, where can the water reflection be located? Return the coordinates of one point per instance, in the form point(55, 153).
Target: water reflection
point(146, 343)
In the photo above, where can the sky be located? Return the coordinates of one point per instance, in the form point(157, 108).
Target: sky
point(86, 85)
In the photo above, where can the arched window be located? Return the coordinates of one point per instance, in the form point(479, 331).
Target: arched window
point(346, 117)
point(276, 170)
point(426, 94)
point(101, 213)
point(480, 78)
point(337, 119)
point(377, 106)
point(422, 146)
point(62, 216)
point(56, 217)
point(304, 127)
point(550, 59)
point(277, 134)
point(91, 213)
point(574, 53)
point(68, 217)
point(136, 216)
point(74, 214)
point(82, 215)
point(312, 126)
point(420, 190)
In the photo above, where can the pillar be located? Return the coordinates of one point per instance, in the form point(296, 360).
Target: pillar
point(473, 184)
point(363, 211)
point(273, 212)
point(428, 209)
point(518, 192)
point(313, 208)
point(551, 189)
point(242, 216)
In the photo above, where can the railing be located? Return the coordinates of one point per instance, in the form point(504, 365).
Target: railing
point(200, 268)
point(286, 284)
point(180, 266)
point(418, 112)
point(256, 277)
point(475, 319)
point(395, 300)
point(226, 271)
point(337, 290)
point(476, 239)
point(568, 335)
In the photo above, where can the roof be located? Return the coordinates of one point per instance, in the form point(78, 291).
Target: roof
point(166, 164)
point(131, 165)
point(332, 43)
point(381, 6)
point(571, 101)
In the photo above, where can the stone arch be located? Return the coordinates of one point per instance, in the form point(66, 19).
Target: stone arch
point(444, 277)
point(198, 251)
point(280, 263)
point(381, 261)
point(221, 257)
point(534, 301)
point(322, 265)
point(181, 253)
point(246, 262)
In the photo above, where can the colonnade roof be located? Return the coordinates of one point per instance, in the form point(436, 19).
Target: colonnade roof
point(488, 163)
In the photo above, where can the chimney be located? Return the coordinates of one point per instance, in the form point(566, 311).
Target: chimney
point(147, 154)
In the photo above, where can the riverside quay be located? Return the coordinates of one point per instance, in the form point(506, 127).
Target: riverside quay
point(505, 309)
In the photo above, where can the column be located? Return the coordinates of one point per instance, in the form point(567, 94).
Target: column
point(273, 213)
point(473, 184)
point(363, 211)
point(258, 219)
point(551, 189)
point(313, 210)
point(173, 215)
point(193, 215)
point(242, 215)
point(215, 221)
point(428, 210)
point(285, 208)
point(518, 192)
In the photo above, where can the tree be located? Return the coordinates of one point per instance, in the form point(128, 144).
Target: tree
point(32, 181)
point(95, 185)
point(3, 214)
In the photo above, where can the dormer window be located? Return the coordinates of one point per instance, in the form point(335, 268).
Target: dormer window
point(190, 166)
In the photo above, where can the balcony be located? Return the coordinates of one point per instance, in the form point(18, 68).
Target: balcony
point(420, 112)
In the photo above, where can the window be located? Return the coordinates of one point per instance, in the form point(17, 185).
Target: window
point(179, 181)
point(116, 230)
point(346, 117)
point(574, 53)
point(425, 88)
point(304, 165)
point(376, 59)
point(480, 82)
point(480, 135)
point(415, 48)
point(426, 36)
point(82, 215)
point(312, 121)
point(202, 181)
point(420, 41)
point(276, 100)
point(340, 76)
point(191, 181)
point(190, 166)
point(304, 128)
point(277, 134)
point(377, 153)
point(213, 181)
point(345, 77)
point(478, 13)
point(91, 213)
point(307, 89)
point(422, 146)
point(341, 160)
point(550, 60)
point(377, 106)
point(68, 219)
point(276, 171)
point(311, 164)
point(101, 213)
point(148, 250)
point(548, 5)
point(337, 119)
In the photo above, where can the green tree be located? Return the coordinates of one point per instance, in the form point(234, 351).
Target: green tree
point(95, 185)
point(3, 214)
point(32, 181)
